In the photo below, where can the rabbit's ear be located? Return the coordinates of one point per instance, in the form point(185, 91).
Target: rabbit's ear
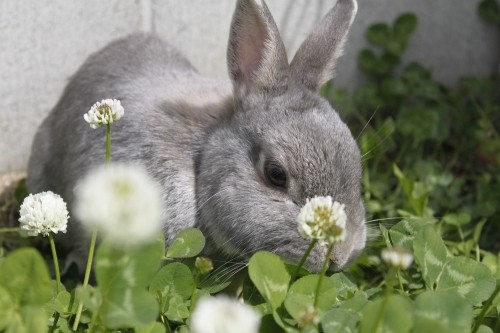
point(314, 62)
point(256, 54)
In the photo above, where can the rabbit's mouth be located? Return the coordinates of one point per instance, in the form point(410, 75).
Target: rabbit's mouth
point(336, 267)
point(346, 252)
point(219, 247)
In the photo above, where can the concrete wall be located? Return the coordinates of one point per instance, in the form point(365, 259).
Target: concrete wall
point(42, 42)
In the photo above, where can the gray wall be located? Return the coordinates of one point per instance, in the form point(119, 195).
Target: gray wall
point(42, 42)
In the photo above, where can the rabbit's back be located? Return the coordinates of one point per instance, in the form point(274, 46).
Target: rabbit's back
point(168, 106)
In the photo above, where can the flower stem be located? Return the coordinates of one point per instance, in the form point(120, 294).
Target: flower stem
point(5, 230)
point(54, 324)
point(385, 300)
point(93, 238)
point(193, 292)
point(108, 144)
point(86, 278)
point(398, 273)
point(303, 260)
point(92, 322)
point(58, 276)
point(56, 263)
point(488, 306)
point(322, 274)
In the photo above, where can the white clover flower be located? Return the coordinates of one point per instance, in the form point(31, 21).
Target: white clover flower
point(104, 112)
point(224, 315)
point(122, 202)
point(398, 257)
point(43, 213)
point(323, 219)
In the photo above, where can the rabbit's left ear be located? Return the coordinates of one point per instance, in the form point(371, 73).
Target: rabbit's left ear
point(314, 62)
point(256, 55)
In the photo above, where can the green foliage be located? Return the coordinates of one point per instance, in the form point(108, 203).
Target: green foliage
point(391, 314)
point(173, 279)
point(122, 277)
point(301, 295)
point(431, 183)
point(25, 287)
point(442, 311)
point(187, 244)
point(430, 253)
point(340, 320)
point(393, 41)
point(442, 144)
point(269, 275)
point(489, 10)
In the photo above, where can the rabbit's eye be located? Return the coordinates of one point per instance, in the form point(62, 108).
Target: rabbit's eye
point(275, 174)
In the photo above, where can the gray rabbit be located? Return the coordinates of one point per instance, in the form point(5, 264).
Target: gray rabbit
point(236, 159)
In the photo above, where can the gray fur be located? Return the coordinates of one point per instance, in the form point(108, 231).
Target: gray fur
point(207, 146)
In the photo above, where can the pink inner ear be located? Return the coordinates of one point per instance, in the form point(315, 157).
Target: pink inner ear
point(250, 50)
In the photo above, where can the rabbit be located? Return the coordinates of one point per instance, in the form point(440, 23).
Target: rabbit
point(236, 159)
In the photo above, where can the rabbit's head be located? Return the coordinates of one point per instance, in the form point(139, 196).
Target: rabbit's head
point(283, 144)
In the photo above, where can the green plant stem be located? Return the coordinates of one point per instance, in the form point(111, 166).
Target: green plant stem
point(303, 260)
point(94, 236)
point(56, 263)
point(86, 278)
point(488, 306)
point(387, 294)
point(166, 324)
point(54, 324)
point(381, 312)
point(92, 322)
point(398, 273)
point(191, 301)
point(58, 276)
point(5, 230)
point(460, 233)
point(193, 292)
point(322, 274)
point(108, 144)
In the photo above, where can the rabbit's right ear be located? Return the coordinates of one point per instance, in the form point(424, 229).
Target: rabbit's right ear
point(256, 55)
point(314, 61)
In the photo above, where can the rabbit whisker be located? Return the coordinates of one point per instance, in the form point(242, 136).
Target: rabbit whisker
point(385, 219)
point(210, 198)
point(225, 273)
point(367, 123)
point(364, 156)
